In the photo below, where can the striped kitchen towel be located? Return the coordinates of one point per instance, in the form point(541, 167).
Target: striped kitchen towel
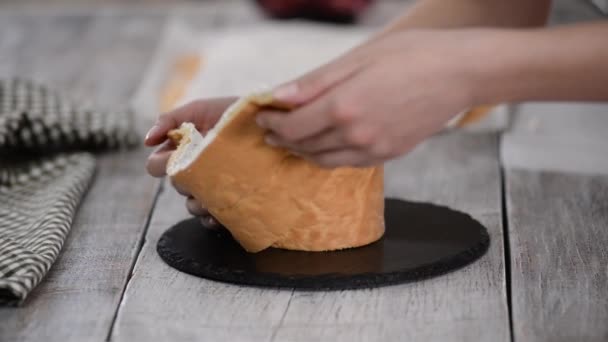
point(47, 161)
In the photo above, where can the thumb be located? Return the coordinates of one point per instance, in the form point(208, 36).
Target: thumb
point(315, 83)
point(204, 113)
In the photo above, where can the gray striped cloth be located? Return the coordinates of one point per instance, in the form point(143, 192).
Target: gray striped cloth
point(47, 161)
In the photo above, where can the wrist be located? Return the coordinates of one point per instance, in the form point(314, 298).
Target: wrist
point(495, 67)
point(510, 69)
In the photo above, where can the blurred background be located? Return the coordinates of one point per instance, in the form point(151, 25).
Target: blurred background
point(339, 10)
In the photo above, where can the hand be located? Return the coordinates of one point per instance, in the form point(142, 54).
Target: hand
point(204, 114)
point(378, 101)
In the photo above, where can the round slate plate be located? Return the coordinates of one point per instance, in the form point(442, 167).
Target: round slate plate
point(422, 240)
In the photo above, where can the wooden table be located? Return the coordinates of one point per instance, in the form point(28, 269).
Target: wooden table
point(545, 277)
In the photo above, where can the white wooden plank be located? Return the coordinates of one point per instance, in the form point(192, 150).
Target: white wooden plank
point(567, 11)
point(557, 213)
point(559, 136)
point(557, 154)
point(601, 4)
point(101, 58)
point(11, 41)
point(195, 309)
point(565, 137)
point(557, 229)
point(162, 303)
point(568, 120)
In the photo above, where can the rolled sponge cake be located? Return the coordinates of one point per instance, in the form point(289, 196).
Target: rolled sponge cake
point(266, 196)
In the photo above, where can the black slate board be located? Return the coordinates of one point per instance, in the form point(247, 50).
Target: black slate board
point(422, 240)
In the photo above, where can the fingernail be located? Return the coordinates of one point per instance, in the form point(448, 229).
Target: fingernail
point(154, 130)
point(285, 92)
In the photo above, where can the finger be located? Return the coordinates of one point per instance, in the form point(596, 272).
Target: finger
point(157, 162)
point(180, 190)
point(356, 136)
point(308, 120)
point(315, 83)
point(326, 141)
point(195, 208)
point(203, 113)
point(331, 110)
point(342, 158)
point(209, 222)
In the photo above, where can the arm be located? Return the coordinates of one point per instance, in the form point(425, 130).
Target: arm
point(577, 53)
point(566, 63)
point(367, 110)
point(452, 14)
point(469, 13)
point(425, 14)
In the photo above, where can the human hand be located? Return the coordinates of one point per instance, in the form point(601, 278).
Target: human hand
point(204, 114)
point(380, 100)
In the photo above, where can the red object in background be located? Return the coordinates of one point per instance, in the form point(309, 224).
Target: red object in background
point(324, 10)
